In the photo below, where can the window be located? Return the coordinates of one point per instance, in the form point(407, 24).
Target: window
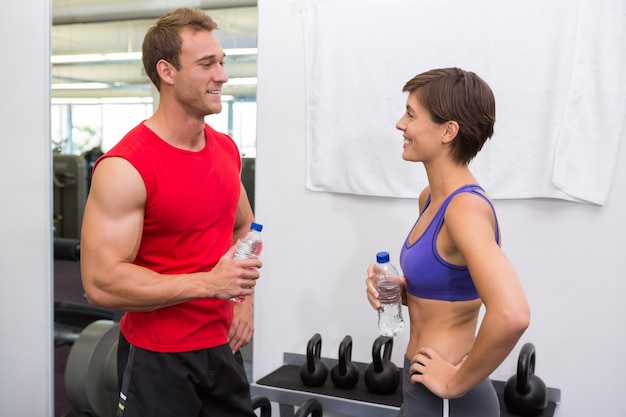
point(244, 127)
point(78, 127)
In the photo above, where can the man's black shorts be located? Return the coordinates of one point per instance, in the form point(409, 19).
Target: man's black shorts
point(209, 382)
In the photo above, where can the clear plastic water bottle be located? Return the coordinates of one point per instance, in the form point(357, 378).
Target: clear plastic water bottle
point(390, 321)
point(249, 247)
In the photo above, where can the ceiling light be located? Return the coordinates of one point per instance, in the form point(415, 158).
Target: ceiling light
point(68, 59)
point(79, 86)
point(241, 81)
point(102, 100)
point(123, 56)
point(130, 56)
point(81, 58)
point(240, 51)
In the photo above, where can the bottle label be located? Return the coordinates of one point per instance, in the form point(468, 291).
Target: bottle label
point(248, 249)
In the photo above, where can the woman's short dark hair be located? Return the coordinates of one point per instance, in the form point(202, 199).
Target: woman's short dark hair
point(163, 40)
point(454, 94)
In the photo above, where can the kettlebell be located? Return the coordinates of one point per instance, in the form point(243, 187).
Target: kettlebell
point(525, 394)
point(382, 376)
point(345, 374)
point(313, 372)
point(262, 403)
point(310, 407)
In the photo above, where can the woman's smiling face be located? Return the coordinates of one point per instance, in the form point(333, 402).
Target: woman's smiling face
point(422, 137)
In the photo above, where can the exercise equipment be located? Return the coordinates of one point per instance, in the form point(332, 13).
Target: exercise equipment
point(310, 407)
point(66, 249)
point(72, 317)
point(345, 374)
point(313, 372)
point(70, 189)
point(91, 375)
point(382, 376)
point(262, 404)
point(525, 394)
point(248, 167)
point(91, 370)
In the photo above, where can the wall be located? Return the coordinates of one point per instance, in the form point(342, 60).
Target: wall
point(318, 245)
point(567, 255)
point(25, 224)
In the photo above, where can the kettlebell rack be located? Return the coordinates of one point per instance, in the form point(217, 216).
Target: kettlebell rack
point(285, 387)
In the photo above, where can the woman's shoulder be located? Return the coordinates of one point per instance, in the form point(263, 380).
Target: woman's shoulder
point(470, 197)
point(470, 210)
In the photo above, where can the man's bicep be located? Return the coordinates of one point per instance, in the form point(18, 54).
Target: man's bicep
point(113, 218)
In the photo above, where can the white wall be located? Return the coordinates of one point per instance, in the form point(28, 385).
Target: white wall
point(318, 245)
point(25, 213)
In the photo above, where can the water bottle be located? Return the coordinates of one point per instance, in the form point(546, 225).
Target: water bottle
point(249, 247)
point(390, 321)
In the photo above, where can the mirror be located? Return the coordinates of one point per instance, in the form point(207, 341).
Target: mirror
point(99, 92)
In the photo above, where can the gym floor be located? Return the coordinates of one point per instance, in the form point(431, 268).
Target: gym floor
point(68, 287)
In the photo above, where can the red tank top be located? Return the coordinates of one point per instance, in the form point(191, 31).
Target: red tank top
point(190, 211)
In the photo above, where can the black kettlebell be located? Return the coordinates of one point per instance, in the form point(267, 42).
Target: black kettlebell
point(262, 403)
point(310, 407)
point(525, 394)
point(345, 374)
point(382, 376)
point(313, 372)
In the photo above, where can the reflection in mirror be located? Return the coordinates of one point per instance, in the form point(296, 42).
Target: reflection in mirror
point(99, 92)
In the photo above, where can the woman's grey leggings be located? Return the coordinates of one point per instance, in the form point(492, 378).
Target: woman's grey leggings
point(418, 401)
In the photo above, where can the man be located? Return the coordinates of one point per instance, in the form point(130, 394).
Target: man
point(165, 208)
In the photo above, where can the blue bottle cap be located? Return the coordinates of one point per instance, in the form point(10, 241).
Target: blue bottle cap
point(382, 257)
point(256, 226)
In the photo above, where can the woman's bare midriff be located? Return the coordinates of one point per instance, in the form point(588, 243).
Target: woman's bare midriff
point(447, 326)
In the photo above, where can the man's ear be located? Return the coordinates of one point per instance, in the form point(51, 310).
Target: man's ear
point(166, 71)
point(451, 129)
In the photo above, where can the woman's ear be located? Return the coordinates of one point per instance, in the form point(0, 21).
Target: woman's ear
point(451, 129)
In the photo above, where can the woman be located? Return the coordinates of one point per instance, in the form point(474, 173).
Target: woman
point(452, 260)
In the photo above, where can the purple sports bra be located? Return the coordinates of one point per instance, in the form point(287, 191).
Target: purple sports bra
point(427, 274)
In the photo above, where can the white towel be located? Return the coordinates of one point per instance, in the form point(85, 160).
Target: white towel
point(553, 135)
point(595, 115)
